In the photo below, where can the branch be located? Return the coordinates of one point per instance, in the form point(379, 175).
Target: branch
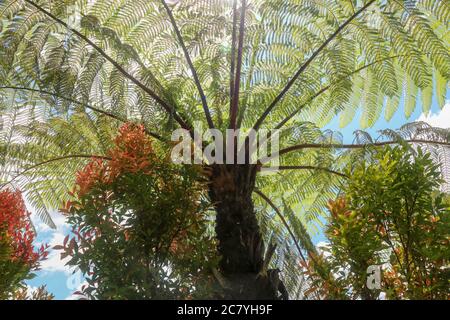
point(150, 92)
point(191, 65)
point(237, 79)
point(353, 146)
point(249, 78)
point(306, 64)
point(150, 133)
point(310, 255)
point(283, 220)
point(312, 168)
point(233, 53)
point(326, 88)
point(53, 160)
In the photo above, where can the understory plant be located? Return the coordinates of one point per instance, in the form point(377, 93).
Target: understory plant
point(18, 256)
point(140, 224)
point(70, 70)
point(390, 215)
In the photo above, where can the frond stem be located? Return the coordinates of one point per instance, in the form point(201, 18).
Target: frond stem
point(237, 77)
point(169, 109)
point(53, 160)
point(283, 220)
point(354, 146)
point(191, 65)
point(294, 167)
point(150, 133)
point(233, 53)
point(326, 88)
point(307, 63)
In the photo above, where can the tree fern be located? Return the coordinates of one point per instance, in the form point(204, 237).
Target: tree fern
point(71, 71)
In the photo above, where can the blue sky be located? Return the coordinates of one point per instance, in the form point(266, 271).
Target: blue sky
point(437, 117)
point(61, 281)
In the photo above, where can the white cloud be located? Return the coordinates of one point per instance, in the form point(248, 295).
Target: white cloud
point(323, 247)
point(440, 119)
point(52, 237)
point(73, 296)
point(54, 263)
point(58, 219)
point(31, 290)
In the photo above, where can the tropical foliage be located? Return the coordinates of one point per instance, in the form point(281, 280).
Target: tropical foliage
point(138, 234)
point(125, 58)
point(73, 71)
point(39, 293)
point(18, 257)
point(390, 215)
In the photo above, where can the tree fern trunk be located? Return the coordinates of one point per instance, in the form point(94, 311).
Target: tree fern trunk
point(240, 242)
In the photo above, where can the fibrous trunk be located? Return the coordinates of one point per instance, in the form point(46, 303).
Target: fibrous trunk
point(240, 242)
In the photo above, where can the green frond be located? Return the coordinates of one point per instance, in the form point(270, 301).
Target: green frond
point(390, 52)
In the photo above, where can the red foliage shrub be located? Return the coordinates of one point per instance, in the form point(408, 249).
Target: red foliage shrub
point(139, 223)
point(132, 153)
point(16, 229)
